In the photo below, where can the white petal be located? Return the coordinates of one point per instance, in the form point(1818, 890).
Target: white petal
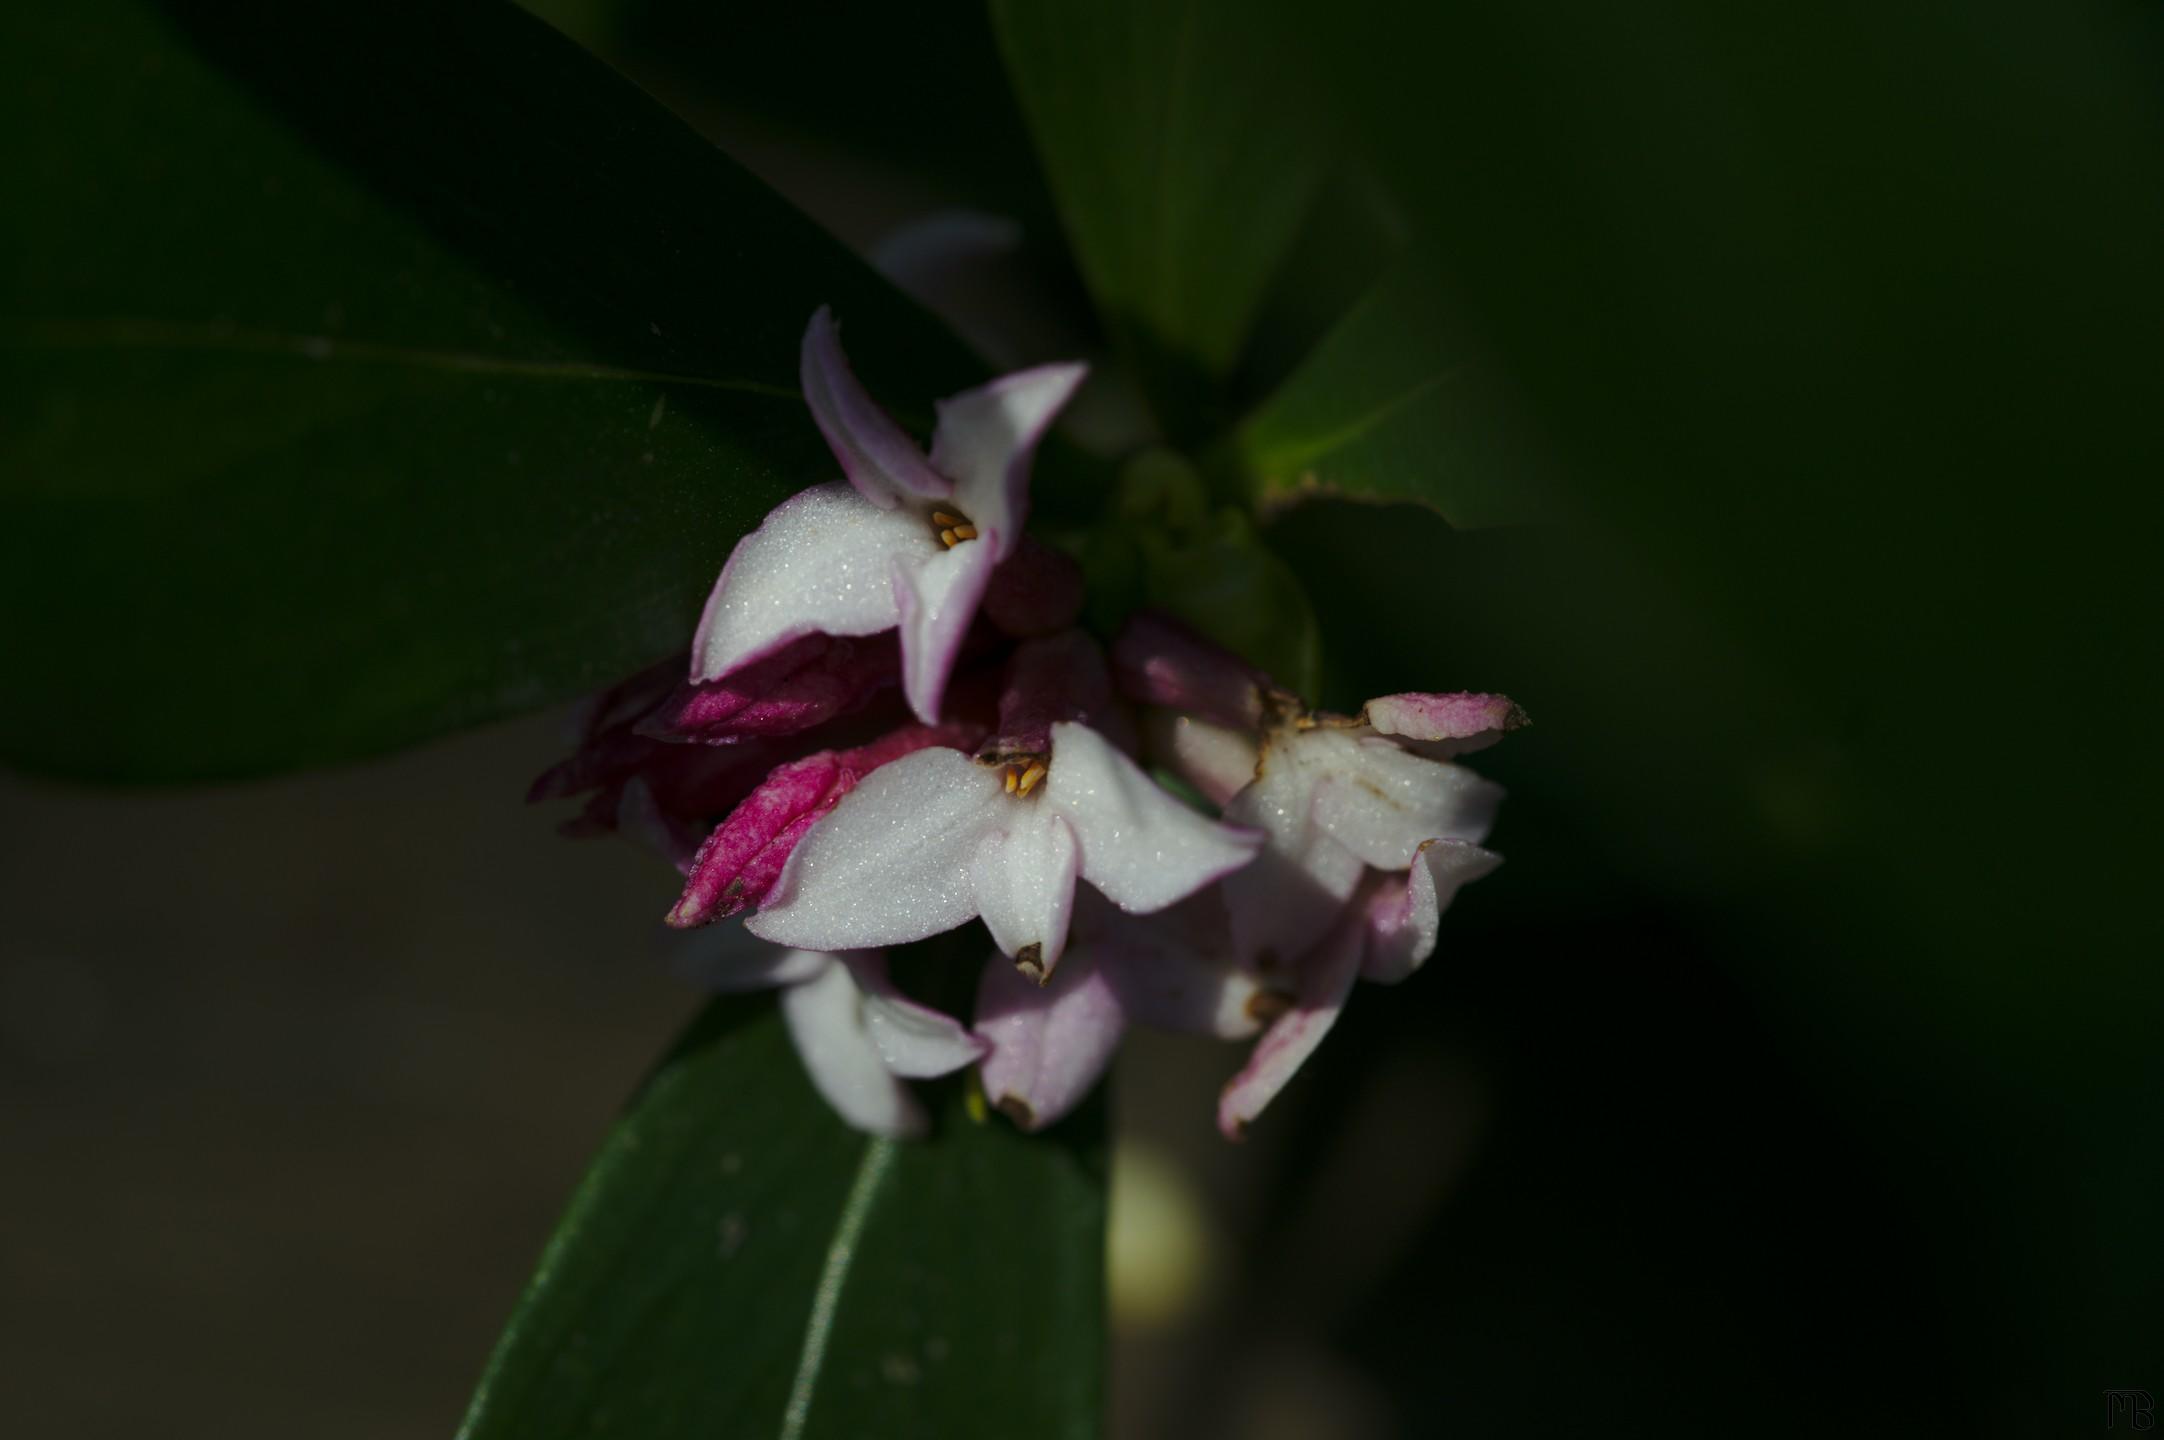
point(1381, 802)
point(1405, 914)
point(1140, 846)
point(877, 455)
point(1024, 875)
point(823, 560)
point(1050, 1043)
point(1217, 760)
point(934, 601)
point(912, 1039)
point(825, 1021)
point(985, 440)
point(890, 862)
point(1285, 902)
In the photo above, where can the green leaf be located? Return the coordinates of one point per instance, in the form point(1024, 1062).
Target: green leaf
point(737, 1262)
point(1398, 403)
point(374, 368)
point(1182, 183)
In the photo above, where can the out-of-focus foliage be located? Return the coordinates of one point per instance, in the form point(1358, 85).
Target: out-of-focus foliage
point(1181, 194)
point(375, 369)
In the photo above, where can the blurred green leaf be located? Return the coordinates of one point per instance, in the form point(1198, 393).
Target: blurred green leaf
point(1398, 403)
point(1841, 322)
point(737, 1262)
point(373, 369)
point(1181, 181)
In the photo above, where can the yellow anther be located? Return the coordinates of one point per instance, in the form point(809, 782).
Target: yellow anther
point(962, 532)
point(1029, 780)
point(949, 539)
point(945, 521)
point(1010, 782)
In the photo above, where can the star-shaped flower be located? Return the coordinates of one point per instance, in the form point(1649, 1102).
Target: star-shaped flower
point(1371, 830)
point(928, 842)
point(910, 541)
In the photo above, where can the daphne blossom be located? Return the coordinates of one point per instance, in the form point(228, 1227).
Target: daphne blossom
point(908, 541)
point(937, 838)
point(783, 779)
point(1371, 828)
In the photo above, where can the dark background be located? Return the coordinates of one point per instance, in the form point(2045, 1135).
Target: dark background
point(1799, 1072)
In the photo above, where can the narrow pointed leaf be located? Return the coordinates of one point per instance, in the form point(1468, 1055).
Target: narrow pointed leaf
point(737, 1262)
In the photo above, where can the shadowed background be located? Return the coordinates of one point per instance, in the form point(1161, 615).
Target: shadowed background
point(1798, 1071)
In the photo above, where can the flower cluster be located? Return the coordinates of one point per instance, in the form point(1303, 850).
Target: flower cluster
point(794, 787)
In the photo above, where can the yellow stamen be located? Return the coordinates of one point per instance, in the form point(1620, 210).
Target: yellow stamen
point(949, 539)
point(1029, 779)
point(945, 521)
point(963, 532)
point(1010, 782)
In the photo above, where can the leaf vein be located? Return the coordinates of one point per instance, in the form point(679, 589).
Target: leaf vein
point(153, 335)
point(856, 1211)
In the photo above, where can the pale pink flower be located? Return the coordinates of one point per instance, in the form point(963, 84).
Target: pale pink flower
point(937, 838)
point(909, 542)
point(1371, 829)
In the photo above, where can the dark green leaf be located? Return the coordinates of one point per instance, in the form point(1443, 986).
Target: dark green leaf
point(1397, 403)
point(739, 1263)
point(373, 368)
point(1181, 176)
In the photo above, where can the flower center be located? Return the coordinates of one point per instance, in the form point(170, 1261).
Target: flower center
point(1020, 771)
point(952, 528)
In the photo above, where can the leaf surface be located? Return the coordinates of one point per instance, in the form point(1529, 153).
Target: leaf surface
point(374, 369)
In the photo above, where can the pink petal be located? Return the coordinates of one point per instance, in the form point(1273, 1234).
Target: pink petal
point(934, 602)
point(879, 458)
point(1060, 677)
point(986, 439)
point(665, 795)
point(913, 1040)
point(822, 561)
point(891, 863)
point(1139, 846)
point(1035, 591)
point(1050, 1042)
point(1444, 725)
point(606, 749)
point(742, 860)
point(826, 1023)
point(1404, 912)
point(805, 683)
point(1326, 979)
point(1162, 663)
